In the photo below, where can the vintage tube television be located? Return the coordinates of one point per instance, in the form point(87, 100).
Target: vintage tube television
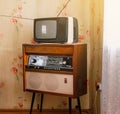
point(56, 30)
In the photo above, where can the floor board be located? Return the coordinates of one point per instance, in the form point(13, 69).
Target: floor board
point(44, 112)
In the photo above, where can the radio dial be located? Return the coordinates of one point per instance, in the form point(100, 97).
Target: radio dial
point(63, 63)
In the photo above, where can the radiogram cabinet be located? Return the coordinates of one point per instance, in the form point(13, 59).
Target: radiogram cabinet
point(55, 68)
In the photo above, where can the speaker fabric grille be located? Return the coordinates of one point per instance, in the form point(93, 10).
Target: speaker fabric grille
point(49, 82)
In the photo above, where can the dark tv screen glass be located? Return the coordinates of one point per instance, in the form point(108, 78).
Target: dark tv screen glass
point(46, 29)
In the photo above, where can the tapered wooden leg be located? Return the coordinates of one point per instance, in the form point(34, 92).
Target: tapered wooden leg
point(41, 102)
point(79, 105)
point(32, 102)
point(70, 105)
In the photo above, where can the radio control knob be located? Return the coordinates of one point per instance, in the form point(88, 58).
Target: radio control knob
point(64, 62)
point(33, 61)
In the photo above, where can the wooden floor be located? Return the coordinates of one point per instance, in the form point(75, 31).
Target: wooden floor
point(44, 112)
point(39, 113)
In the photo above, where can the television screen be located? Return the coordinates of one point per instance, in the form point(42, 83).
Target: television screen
point(46, 29)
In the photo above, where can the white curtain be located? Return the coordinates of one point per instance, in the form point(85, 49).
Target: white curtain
point(110, 100)
point(111, 80)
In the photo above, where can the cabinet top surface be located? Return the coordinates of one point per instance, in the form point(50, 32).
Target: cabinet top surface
point(53, 44)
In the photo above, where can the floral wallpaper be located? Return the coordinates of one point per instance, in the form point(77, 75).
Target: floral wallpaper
point(16, 28)
point(96, 42)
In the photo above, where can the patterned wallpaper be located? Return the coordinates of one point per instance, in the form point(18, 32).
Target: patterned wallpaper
point(16, 28)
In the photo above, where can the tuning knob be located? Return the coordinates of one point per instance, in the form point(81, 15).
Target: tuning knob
point(33, 60)
point(64, 62)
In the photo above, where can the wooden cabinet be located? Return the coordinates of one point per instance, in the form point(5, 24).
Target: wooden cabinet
point(54, 80)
